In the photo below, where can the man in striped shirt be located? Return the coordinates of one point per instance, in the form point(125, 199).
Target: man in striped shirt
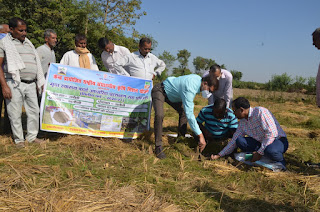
point(264, 134)
point(220, 121)
point(20, 78)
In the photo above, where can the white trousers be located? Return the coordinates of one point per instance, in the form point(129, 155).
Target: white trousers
point(23, 95)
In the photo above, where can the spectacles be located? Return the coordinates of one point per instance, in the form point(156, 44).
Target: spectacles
point(234, 111)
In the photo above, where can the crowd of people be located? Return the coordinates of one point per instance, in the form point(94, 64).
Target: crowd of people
point(23, 69)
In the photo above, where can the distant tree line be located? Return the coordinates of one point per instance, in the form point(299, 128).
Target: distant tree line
point(283, 82)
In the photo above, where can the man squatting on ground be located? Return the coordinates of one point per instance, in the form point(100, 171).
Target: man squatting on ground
point(179, 93)
point(264, 134)
point(21, 77)
point(220, 121)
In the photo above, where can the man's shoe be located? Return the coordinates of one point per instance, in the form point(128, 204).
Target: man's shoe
point(20, 145)
point(39, 141)
point(159, 152)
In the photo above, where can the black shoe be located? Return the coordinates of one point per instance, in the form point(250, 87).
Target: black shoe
point(159, 152)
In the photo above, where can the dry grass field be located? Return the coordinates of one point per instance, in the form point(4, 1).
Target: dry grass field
point(81, 173)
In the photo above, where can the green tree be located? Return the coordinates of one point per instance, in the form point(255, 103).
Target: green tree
point(299, 83)
point(42, 14)
point(183, 58)
point(180, 72)
point(68, 18)
point(117, 14)
point(168, 59)
point(201, 64)
point(279, 82)
point(223, 66)
point(237, 75)
point(311, 85)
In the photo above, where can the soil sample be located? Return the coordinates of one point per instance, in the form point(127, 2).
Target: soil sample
point(61, 117)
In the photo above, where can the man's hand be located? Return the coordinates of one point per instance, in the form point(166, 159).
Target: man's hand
point(202, 142)
point(256, 156)
point(6, 91)
point(214, 157)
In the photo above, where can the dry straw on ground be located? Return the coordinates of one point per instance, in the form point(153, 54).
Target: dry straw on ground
point(81, 173)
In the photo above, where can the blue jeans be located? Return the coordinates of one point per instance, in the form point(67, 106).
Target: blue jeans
point(274, 151)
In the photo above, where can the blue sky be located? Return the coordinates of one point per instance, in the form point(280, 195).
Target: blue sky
point(260, 38)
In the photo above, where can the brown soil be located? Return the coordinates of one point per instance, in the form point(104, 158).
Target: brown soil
point(61, 117)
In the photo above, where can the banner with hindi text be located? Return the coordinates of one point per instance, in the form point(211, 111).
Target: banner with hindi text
point(95, 103)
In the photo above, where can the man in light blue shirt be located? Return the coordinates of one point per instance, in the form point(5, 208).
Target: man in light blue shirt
point(179, 93)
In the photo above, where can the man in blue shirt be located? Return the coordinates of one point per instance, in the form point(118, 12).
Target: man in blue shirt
point(179, 93)
point(220, 121)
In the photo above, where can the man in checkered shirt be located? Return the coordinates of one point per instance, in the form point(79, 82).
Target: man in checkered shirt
point(258, 132)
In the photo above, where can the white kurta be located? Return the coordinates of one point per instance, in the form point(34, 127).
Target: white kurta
point(109, 60)
point(140, 66)
point(71, 58)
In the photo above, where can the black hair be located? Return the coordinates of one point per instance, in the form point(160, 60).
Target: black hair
point(220, 104)
point(144, 40)
point(80, 37)
point(316, 33)
point(13, 22)
point(214, 68)
point(211, 80)
point(241, 102)
point(102, 42)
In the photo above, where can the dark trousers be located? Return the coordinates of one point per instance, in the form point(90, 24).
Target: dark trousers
point(274, 151)
point(158, 98)
point(6, 121)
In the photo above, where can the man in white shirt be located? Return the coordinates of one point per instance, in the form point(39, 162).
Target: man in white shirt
point(112, 53)
point(46, 52)
point(81, 56)
point(141, 64)
point(225, 90)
